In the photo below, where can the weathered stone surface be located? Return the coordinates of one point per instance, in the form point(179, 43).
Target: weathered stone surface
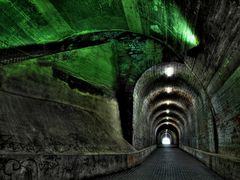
point(224, 165)
point(67, 166)
point(41, 114)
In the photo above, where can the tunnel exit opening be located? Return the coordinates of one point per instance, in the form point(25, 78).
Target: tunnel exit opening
point(167, 136)
point(166, 141)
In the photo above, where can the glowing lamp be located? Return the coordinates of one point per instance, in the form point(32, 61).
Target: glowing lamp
point(168, 90)
point(169, 71)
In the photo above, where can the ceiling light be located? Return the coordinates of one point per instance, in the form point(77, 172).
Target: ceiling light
point(168, 90)
point(167, 111)
point(169, 71)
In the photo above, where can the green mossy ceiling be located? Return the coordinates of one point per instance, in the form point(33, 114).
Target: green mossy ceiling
point(93, 65)
point(25, 22)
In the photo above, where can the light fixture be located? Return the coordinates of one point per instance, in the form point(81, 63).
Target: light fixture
point(167, 123)
point(169, 71)
point(168, 90)
point(168, 102)
point(167, 118)
point(167, 111)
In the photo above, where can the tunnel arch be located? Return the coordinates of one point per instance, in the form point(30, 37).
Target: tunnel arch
point(187, 94)
point(186, 99)
point(161, 129)
point(40, 114)
point(167, 118)
point(180, 92)
point(172, 113)
point(167, 132)
point(167, 122)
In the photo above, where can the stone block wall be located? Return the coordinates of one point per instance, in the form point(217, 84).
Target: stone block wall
point(226, 102)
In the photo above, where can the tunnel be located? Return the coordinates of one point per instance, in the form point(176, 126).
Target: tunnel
point(167, 135)
point(120, 89)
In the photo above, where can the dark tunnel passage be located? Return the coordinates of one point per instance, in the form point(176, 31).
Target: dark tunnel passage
point(119, 89)
point(180, 105)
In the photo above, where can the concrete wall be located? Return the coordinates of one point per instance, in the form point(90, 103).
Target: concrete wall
point(40, 114)
point(224, 90)
point(217, 67)
point(34, 125)
point(65, 166)
point(224, 165)
point(49, 131)
point(226, 102)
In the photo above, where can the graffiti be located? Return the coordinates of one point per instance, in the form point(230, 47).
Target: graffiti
point(49, 163)
point(28, 168)
point(11, 167)
point(11, 144)
point(72, 142)
point(16, 169)
point(56, 145)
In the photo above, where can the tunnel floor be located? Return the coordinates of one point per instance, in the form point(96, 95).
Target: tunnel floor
point(167, 164)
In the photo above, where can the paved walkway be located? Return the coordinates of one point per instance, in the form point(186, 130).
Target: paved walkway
point(166, 164)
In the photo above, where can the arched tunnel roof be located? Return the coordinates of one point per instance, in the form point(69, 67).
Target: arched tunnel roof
point(114, 76)
point(92, 77)
point(174, 100)
point(49, 21)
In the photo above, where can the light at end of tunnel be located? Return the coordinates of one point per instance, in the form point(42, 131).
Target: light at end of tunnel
point(167, 111)
point(168, 90)
point(166, 141)
point(169, 71)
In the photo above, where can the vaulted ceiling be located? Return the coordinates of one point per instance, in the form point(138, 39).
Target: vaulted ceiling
point(106, 45)
point(26, 22)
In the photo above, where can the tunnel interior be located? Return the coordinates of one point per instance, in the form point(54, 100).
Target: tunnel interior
point(167, 135)
point(174, 98)
point(89, 88)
